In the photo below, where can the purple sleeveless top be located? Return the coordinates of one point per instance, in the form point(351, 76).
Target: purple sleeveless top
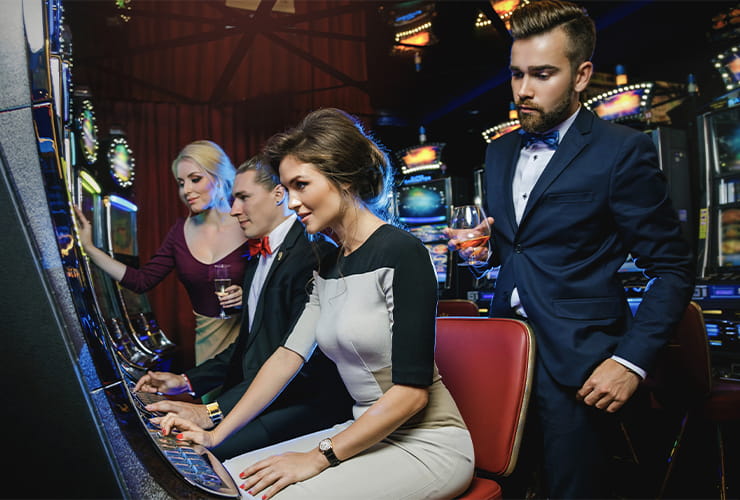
point(195, 275)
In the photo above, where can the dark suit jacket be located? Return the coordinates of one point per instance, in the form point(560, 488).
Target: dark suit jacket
point(601, 196)
point(316, 397)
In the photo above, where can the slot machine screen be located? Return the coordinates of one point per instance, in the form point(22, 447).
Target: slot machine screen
point(429, 232)
point(726, 132)
point(424, 202)
point(729, 234)
point(440, 258)
point(87, 204)
point(122, 226)
point(620, 105)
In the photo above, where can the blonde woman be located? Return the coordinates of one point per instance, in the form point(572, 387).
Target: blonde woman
point(207, 236)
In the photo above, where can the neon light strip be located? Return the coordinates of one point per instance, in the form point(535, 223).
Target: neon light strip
point(122, 203)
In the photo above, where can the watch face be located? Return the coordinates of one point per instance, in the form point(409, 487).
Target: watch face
point(325, 444)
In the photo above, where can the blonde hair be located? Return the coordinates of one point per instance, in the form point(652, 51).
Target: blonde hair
point(214, 161)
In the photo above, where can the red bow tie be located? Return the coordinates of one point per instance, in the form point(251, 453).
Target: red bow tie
point(259, 246)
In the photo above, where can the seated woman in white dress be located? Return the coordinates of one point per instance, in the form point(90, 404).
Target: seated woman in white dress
point(372, 311)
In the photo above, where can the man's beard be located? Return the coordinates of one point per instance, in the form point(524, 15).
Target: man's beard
point(540, 121)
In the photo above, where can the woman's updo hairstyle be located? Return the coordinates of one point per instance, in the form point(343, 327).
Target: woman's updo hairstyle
point(337, 145)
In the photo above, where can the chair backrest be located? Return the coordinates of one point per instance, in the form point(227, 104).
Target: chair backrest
point(682, 372)
point(487, 364)
point(457, 307)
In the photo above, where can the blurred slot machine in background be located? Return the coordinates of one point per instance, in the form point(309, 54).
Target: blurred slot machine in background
point(423, 201)
point(88, 196)
point(718, 286)
point(67, 370)
point(116, 168)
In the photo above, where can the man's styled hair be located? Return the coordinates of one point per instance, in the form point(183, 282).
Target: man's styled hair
point(545, 15)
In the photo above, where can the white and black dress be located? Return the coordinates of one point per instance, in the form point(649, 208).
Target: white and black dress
point(373, 313)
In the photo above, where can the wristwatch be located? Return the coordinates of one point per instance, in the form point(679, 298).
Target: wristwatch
point(214, 412)
point(327, 448)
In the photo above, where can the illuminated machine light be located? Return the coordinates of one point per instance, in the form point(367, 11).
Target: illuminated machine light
point(88, 130)
point(481, 21)
point(413, 29)
point(89, 183)
point(497, 131)
point(626, 102)
point(121, 162)
point(728, 65)
point(122, 203)
point(427, 156)
point(504, 8)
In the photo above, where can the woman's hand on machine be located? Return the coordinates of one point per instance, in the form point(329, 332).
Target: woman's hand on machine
point(85, 228)
point(184, 430)
point(232, 297)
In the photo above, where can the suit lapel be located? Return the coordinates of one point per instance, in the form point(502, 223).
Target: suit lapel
point(509, 182)
point(577, 137)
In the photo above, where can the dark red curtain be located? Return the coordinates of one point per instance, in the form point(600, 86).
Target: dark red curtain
point(177, 72)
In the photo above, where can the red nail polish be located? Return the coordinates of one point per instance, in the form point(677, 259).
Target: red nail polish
point(180, 436)
point(242, 486)
point(264, 496)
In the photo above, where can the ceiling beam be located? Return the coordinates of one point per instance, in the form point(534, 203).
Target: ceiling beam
point(219, 90)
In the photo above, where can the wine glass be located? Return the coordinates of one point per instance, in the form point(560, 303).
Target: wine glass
point(221, 281)
point(469, 226)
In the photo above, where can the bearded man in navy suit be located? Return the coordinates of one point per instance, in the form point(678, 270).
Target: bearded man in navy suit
point(569, 198)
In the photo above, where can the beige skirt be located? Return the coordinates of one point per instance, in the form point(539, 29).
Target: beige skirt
point(213, 335)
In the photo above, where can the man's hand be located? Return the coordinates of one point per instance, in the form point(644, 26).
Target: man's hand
point(610, 386)
point(197, 414)
point(161, 382)
point(465, 251)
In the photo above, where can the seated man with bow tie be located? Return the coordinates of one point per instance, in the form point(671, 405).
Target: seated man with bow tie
point(276, 283)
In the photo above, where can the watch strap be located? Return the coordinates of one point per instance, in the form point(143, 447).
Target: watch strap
point(214, 412)
point(327, 449)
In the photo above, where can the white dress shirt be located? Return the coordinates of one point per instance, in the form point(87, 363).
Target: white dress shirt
point(276, 238)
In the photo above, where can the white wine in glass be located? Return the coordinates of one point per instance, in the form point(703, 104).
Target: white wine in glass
point(221, 281)
point(469, 226)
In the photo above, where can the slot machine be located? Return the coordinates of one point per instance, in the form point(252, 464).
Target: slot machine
point(718, 286)
point(423, 204)
point(133, 349)
point(73, 411)
point(116, 169)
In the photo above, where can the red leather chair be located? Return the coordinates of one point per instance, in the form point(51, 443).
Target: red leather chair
point(682, 381)
point(457, 307)
point(487, 364)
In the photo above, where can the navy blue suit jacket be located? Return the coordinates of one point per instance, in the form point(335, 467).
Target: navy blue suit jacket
point(601, 196)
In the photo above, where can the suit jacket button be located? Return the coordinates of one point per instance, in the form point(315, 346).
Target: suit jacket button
point(518, 249)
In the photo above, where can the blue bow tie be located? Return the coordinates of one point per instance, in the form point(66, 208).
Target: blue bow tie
point(549, 139)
